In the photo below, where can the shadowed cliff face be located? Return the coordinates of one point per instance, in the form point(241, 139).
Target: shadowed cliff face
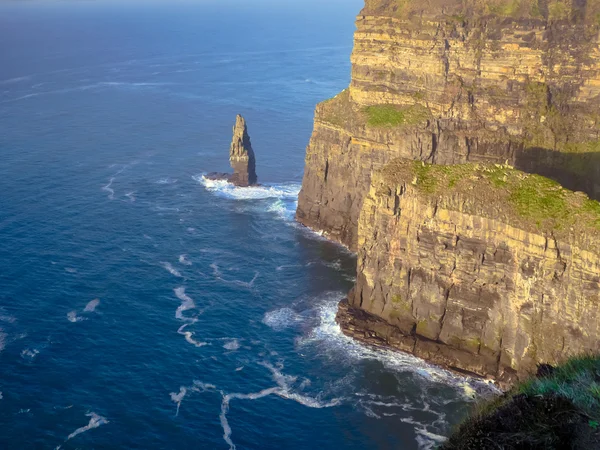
point(241, 156)
point(522, 89)
point(489, 82)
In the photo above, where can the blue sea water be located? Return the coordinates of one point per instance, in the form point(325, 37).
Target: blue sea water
point(142, 307)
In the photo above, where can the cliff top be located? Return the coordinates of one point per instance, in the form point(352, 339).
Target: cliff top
point(576, 11)
point(529, 202)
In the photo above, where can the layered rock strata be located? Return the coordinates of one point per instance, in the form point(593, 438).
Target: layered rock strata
point(476, 267)
point(241, 155)
point(241, 158)
point(458, 81)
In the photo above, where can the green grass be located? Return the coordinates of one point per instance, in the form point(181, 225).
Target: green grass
point(395, 116)
point(529, 202)
point(577, 380)
point(540, 199)
point(561, 410)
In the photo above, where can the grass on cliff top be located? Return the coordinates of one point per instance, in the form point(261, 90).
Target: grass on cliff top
point(394, 116)
point(577, 380)
point(530, 202)
point(552, 10)
point(560, 409)
point(342, 112)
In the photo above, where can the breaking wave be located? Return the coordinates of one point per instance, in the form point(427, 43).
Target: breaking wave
point(281, 319)
point(285, 195)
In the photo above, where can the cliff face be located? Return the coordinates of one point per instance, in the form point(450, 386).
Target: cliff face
point(241, 156)
point(449, 82)
point(495, 272)
point(468, 267)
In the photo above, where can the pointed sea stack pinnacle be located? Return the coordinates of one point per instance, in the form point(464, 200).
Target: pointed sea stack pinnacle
point(241, 156)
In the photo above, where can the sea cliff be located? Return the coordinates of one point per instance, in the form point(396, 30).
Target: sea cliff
point(480, 256)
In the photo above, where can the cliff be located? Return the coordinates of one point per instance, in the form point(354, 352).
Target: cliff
point(450, 165)
point(481, 268)
point(450, 82)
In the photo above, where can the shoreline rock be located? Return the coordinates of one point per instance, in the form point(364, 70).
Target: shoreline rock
point(241, 158)
point(376, 332)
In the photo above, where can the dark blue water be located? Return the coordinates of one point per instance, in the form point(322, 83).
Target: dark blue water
point(141, 307)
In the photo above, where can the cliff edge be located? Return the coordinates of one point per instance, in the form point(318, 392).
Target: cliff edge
point(463, 165)
point(450, 82)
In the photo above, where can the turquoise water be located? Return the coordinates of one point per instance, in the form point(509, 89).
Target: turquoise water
point(144, 308)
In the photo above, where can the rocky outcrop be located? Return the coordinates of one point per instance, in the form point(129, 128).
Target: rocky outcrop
point(241, 158)
point(476, 267)
point(457, 81)
point(241, 155)
point(489, 269)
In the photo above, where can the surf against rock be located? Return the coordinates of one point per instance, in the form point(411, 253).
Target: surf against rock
point(241, 158)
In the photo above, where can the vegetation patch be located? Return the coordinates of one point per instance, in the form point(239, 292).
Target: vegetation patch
point(553, 10)
point(559, 409)
point(526, 201)
point(395, 116)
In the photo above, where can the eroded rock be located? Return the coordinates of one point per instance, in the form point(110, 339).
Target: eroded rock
point(241, 158)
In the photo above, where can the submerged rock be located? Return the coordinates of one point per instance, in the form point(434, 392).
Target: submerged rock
point(241, 158)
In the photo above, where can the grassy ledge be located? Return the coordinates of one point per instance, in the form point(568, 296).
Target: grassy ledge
point(529, 202)
point(342, 112)
point(395, 116)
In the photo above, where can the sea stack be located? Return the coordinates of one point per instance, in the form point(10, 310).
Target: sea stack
point(241, 156)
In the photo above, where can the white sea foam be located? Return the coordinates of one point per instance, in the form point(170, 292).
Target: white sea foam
point(73, 317)
point(225, 189)
point(189, 336)
point(6, 318)
point(183, 260)
point(336, 265)
point(29, 353)
point(225, 409)
point(3, 337)
point(232, 345)
point(109, 189)
point(70, 270)
point(288, 266)
point(172, 270)
point(95, 422)
point(426, 440)
point(187, 303)
point(15, 80)
point(328, 335)
point(92, 305)
point(178, 398)
point(131, 196)
point(281, 319)
point(283, 390)
point(216, 271)
point(167, 181)
point(198, 386)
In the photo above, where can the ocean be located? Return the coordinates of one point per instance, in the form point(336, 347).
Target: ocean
point(144, 307)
